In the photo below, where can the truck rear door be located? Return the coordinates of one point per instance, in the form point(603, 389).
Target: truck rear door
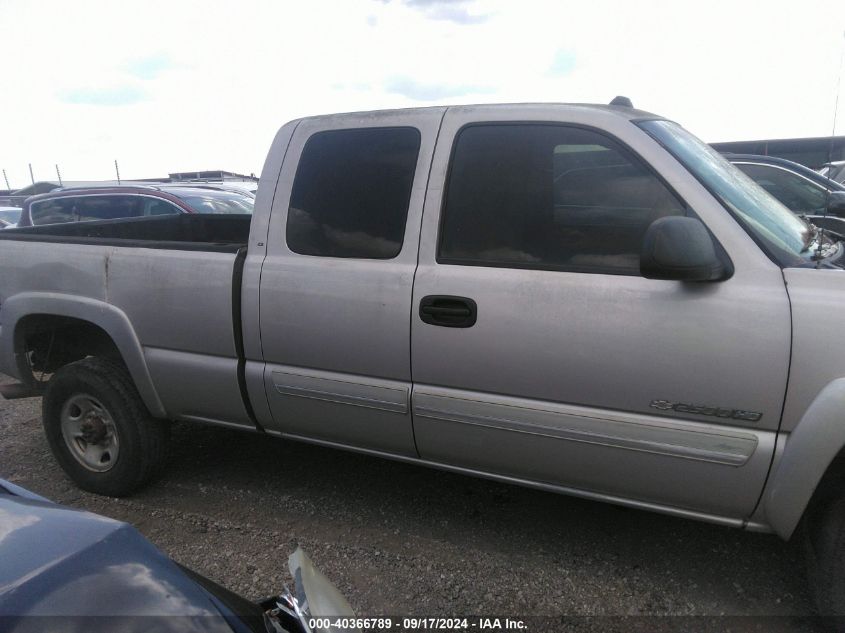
point(541, 354)
point(336, 284)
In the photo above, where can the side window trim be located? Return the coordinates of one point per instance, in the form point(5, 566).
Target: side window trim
point(626, 151)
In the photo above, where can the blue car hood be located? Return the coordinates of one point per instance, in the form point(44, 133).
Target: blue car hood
point(66, 569)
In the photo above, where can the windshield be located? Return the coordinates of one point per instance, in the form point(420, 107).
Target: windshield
point(217, 201)
point(783, 235)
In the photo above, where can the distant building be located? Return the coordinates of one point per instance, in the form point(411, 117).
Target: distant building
point(812, 152)
point(215, 175)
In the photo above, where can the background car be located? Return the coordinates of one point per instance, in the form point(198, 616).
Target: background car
point(9, 216)
point(799, 188)
point(213, 198)
point(107, 203)
point(96, 574)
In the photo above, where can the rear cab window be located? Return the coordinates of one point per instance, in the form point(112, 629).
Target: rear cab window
point(351, 193)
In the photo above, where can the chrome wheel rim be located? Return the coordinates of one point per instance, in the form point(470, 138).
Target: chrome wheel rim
point(90, 433)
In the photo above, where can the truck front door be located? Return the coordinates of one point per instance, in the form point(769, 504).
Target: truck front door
point(539, 352)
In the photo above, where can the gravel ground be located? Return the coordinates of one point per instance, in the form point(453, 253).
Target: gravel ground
point(399, 539)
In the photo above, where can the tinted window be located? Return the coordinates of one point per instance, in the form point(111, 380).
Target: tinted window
point(52, 211)
point(351, 193)
point(87, 208)
point(157, 206)
point(797, 193)
point(548, 197)
point(218, 202)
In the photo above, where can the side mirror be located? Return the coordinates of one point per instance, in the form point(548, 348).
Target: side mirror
point(680, 248)
point(836, 204)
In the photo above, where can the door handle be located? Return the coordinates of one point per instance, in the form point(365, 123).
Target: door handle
point(448, 311)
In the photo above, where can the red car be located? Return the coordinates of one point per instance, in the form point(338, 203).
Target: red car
point(107, 203)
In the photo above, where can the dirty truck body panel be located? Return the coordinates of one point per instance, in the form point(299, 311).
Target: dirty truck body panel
point(181, 322)
point(335, 331)
point(411, 337)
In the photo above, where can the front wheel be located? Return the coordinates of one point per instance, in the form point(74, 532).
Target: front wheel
point(99, 430)
point(825, 547)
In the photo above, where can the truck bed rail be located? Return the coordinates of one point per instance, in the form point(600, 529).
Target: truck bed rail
point(220, 233)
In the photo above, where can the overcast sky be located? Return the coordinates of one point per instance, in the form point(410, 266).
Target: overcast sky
point(176, 86)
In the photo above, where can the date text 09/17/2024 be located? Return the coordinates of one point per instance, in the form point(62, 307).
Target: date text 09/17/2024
point(415, 624)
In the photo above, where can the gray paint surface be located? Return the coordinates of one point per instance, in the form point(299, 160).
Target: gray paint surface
point(343, 315)
point(552, 386)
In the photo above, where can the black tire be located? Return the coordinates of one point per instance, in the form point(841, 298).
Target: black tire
point(824, 534)
point(140, 439)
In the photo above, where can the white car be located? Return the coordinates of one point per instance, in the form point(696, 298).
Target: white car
point(9, 217)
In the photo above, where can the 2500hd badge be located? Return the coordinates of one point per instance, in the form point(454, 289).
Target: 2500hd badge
point(700, 409)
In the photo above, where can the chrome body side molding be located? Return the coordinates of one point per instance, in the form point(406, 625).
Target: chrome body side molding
point(637, 432)
point(359, 394)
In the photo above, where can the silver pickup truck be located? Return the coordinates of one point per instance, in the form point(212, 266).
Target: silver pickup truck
point(583, 299)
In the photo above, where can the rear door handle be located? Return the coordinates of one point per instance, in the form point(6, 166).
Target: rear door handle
point(448, 311)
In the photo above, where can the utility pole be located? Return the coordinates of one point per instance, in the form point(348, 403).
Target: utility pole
point(117, 171)
point(6, 178)
point(58, 173)
point(31, 177)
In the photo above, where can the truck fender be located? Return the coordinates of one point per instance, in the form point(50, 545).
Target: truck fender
point(807, 453)
point(104, 315)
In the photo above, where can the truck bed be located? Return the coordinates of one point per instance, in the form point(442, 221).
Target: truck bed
point(172, 283)
point(216, 233)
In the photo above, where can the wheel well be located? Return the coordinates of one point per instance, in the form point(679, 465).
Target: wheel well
point(46, 342)
point(830, 487)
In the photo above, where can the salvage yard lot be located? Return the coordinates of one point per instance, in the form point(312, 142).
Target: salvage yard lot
point(399, 539)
